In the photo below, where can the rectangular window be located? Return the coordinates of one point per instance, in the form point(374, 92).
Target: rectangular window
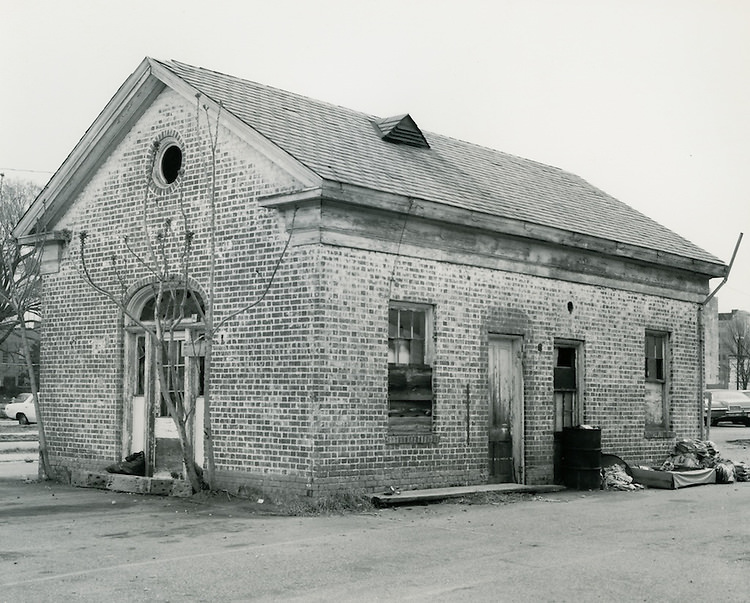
point(565, 383)
point(656, 370)
point(410, 399)
point(655, 346)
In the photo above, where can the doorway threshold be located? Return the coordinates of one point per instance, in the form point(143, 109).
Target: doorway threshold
point(134, 484)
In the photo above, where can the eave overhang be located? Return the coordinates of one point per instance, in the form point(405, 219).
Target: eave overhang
point(450, 216)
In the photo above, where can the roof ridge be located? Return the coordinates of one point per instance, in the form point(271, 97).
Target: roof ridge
point(318, 101)
point(370, 116)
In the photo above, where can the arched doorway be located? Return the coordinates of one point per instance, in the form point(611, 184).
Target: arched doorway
point(149, 426)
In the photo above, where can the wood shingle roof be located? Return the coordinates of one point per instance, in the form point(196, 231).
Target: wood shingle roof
point(342, 145)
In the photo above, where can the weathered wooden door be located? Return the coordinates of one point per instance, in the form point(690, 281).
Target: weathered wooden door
point(505, 412)
point(141, 394)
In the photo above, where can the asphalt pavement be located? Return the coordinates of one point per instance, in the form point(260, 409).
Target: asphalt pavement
point(61, 543)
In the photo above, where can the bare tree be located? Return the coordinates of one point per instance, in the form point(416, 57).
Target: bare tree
point(172, 294)
point(738, 333)
point(18, 271)
point(20, 287)
point(166, 254)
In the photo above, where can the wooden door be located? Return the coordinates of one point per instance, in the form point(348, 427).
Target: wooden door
point(141, 394)
point(505, 412)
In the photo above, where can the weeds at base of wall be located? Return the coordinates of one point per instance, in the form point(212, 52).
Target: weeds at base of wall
point(335, 503)
point(341, 502)
point(253, 501)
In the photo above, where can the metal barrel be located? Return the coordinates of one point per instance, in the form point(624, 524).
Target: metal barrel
point(582, 458)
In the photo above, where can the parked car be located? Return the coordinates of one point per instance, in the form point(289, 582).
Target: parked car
point(21, 408)
point(728, 405)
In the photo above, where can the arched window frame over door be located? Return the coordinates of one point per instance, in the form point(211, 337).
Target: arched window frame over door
point(147, 424)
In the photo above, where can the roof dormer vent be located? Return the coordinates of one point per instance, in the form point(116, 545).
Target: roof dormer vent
point(402, 129)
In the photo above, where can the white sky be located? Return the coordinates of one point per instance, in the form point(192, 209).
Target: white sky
point(647, 99)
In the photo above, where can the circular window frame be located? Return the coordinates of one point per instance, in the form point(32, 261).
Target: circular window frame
point(165, 174)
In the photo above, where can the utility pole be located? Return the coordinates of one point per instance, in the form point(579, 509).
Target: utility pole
point(740, 364)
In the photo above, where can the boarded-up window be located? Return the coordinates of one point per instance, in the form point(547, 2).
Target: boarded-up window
point(656, 400)
point(410, 399)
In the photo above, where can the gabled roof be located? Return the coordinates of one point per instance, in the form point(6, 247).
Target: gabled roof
point(340, 145)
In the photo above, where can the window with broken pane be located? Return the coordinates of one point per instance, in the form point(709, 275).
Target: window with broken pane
point(565, 384)
point(410, 396)
point(656, 399)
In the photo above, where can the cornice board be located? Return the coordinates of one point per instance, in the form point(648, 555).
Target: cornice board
point(413, 236)
point(54, 236)
point(361, 201)
point(368, 198)
point(693, 294)
point(296, 198)
point(302, 221)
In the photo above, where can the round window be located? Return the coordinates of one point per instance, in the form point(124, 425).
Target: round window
point(168, 162)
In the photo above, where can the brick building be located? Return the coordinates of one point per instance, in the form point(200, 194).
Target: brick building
point(427, 312)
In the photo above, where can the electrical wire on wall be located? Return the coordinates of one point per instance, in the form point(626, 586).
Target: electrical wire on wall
point(270, 280)
point(398, 249)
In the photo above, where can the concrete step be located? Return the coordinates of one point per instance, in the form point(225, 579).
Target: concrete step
point(135, 484)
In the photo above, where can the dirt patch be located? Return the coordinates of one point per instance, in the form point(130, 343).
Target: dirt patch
point(494, 498)
point(222, 503)
point(256, 503)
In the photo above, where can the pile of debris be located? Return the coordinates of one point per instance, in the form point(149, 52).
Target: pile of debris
point(742, 472)
point(616, 477)
point(703, 454)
